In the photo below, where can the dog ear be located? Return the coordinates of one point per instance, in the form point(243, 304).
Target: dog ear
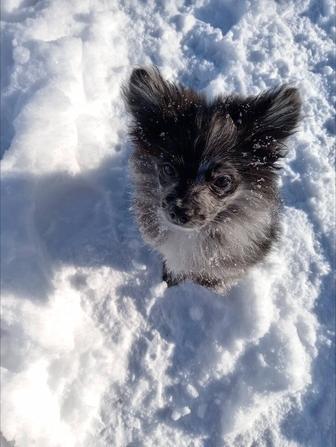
point(265, 121)
point(276, 112)
point(145, 92)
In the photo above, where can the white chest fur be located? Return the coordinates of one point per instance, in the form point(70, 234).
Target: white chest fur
point(182, 251)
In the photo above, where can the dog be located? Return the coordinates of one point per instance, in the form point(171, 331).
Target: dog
point(205, 175)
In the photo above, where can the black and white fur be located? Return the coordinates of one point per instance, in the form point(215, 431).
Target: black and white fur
point(205, 175)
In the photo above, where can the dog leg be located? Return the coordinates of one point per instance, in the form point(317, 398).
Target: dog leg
point(168, 277)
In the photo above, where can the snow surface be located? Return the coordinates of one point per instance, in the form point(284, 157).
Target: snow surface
point(96, 350)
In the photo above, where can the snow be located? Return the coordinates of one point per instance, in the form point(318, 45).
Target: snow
point(96, 351)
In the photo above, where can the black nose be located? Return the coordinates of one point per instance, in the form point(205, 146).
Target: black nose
point(178, 216)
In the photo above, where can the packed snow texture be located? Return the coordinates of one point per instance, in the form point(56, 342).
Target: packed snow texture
point(96, 351)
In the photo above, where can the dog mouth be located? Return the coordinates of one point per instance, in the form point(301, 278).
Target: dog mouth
point(178, 222)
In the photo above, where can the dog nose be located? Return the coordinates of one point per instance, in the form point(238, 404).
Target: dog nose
point(178, 216)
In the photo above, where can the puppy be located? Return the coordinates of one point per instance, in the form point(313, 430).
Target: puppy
point(205, 175)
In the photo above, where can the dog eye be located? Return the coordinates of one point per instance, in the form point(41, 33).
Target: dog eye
point(168, 170)
point(223, 183)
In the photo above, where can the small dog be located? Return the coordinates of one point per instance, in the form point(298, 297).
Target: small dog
point(205, 175)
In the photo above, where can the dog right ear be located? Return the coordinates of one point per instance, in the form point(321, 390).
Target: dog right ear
point(145, 92)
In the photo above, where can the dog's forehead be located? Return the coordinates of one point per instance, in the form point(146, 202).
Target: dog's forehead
point(187, 148)
point(204, 167)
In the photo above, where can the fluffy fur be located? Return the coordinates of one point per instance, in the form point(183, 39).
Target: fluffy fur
point(205, 175)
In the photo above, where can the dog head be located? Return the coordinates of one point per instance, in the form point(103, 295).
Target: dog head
point(210, 159)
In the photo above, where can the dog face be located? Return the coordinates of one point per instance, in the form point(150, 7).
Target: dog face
point(209, 160)
point(191, 196)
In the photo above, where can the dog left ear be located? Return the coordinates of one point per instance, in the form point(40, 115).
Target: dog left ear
point(265, 121)
point(276, 112)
